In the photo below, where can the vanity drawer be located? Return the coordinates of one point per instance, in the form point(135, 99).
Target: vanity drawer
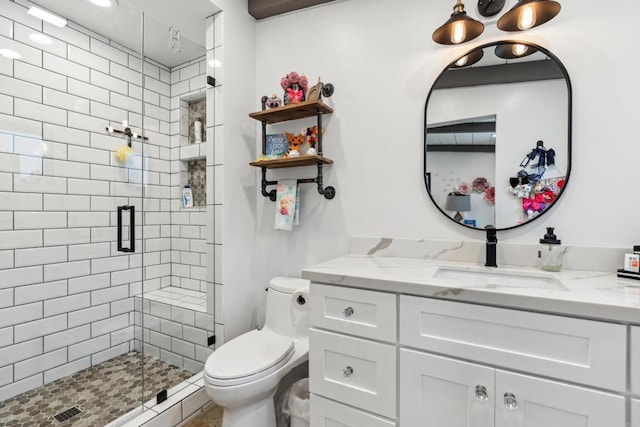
point(635, 361)
point(366, 314)
point(354, 371)
point(326, 413)
point(582, 351)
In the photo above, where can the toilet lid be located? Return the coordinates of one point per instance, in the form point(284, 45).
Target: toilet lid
point(249, 354)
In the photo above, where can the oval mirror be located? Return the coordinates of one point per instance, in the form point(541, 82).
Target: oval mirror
point(498, 135)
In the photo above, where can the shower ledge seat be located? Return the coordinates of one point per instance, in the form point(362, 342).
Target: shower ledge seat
point(176, 326)
point(180, 297)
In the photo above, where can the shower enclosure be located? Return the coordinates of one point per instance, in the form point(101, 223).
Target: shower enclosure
point(106, 279)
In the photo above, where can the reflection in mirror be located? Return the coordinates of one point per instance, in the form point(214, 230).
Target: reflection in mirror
point(498, 130)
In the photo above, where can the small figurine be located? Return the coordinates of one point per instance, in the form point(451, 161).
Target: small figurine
point(274, 101)
point(295, 141)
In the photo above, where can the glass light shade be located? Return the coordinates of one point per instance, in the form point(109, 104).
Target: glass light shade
point(513, 50)
point(528, 14)
point(468, 60)
point(459, 28)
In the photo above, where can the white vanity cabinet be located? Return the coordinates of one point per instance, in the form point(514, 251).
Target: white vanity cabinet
point(387, 359)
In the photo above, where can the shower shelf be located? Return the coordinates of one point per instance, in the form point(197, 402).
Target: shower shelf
point(295, 111)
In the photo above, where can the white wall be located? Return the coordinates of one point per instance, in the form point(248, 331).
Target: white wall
point(380, 56)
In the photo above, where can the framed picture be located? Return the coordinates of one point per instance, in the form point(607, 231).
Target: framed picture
point(470, 222)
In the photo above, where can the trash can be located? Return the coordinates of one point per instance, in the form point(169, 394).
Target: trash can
point(296, 405)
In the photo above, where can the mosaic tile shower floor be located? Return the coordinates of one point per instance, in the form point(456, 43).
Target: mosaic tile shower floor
point(103, 393)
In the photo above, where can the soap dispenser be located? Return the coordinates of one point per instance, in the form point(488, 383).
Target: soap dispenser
point(550, 252)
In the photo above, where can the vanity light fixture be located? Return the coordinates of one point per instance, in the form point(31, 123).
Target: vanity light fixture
point(468, 60)
point(513, 50)
point(11, 54)
point(459, 28)
point(47, 16)
point(527, 14)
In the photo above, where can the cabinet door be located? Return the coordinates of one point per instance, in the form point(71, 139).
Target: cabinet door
point(635, 360)
point(635, 413)
point(523, 401)
point(326, 413)
point(437, 392)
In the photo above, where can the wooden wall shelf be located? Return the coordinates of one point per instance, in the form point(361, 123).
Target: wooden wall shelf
point(295, 111)
point(299, 110)
point(291, 162)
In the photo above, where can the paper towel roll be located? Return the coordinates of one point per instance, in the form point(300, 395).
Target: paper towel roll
point(300, 299)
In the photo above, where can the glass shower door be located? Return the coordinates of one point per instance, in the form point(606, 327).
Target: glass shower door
point(70, 200)
point(177, 323)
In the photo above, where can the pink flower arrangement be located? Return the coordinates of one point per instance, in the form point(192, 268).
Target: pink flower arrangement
point(464, 188)
point(479, 185)
point(490, 195)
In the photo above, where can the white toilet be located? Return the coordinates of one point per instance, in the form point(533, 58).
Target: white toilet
point(243, 375)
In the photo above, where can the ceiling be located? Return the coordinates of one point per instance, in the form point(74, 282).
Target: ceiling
point(123, 25)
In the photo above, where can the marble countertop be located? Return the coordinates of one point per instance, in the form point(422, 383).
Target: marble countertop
point(587, 294)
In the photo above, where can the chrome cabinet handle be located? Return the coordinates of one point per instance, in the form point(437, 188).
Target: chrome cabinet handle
point(481, 393)
point(347, 372)
point(348, 312)
point(510, 401)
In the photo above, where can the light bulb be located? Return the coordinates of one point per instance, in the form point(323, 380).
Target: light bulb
point(459, 32)
point(519, 49)
point(462, 61)
point(527, 18)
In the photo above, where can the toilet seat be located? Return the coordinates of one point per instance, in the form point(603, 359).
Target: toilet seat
point(248, 357)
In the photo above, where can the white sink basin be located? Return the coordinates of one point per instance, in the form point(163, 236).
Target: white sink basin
point(494, 278)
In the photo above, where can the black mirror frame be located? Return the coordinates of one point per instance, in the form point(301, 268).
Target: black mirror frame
point(567, 80)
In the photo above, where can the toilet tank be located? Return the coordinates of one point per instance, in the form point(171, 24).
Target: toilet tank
point(283, 315)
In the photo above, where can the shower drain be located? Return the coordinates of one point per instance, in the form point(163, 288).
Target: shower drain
point(63, 416)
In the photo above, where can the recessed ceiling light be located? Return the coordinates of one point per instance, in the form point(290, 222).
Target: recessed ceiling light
point(47, 17)
point(41, 39)
point(11, 54)
point(104, 3)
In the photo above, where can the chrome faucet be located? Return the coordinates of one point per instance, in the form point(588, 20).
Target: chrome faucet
point(491, 245)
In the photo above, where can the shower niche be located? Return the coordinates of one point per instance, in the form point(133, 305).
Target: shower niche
point(193, 164)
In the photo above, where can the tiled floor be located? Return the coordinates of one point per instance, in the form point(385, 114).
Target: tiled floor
point(211, 416)
point(103, 393)
point(180, 297)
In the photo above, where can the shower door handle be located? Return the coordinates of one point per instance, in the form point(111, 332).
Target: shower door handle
point(132, 228)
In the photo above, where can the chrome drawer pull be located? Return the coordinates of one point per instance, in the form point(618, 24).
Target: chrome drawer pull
point(510, 401)
point(481, 393)
point(347, 372)
point(348, 312)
